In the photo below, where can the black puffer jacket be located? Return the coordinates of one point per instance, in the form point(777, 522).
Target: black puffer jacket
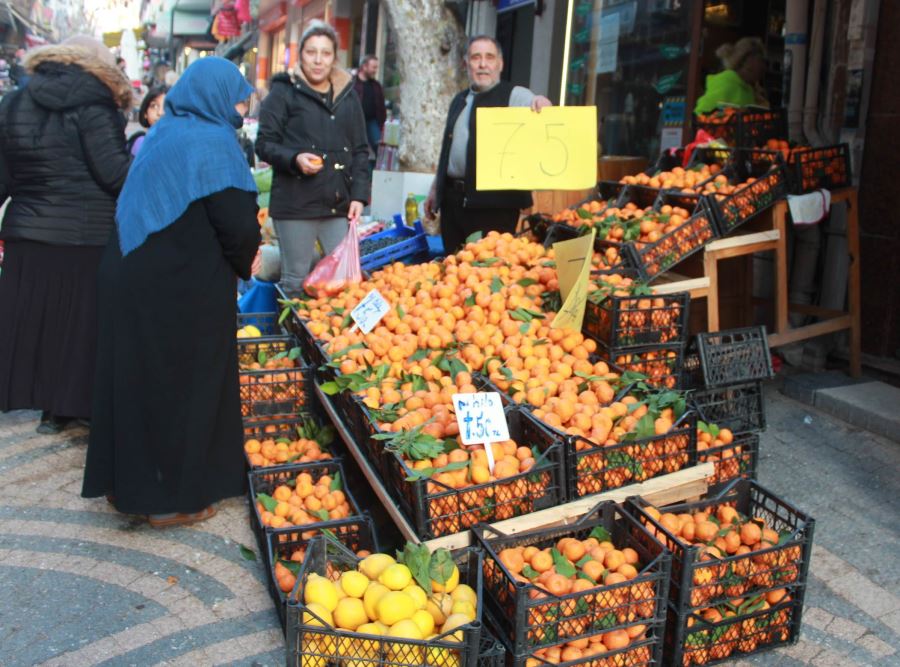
point(62, 149)
point(294, 119)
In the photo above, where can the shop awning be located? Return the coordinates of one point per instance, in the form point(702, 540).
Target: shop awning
point(114, 39)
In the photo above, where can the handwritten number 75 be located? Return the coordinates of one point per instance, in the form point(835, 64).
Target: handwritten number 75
point(505, 153)
point(564, 161)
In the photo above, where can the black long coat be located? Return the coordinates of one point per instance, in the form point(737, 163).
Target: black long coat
point(62, 150)
point(166, 431)
point(295, 119)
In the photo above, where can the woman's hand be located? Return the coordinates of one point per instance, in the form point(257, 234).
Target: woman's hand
point(309, 163)
point(356, 209)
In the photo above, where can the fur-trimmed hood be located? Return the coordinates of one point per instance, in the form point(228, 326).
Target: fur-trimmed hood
point(64, 76)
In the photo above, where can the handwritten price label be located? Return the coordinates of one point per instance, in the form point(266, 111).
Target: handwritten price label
point(369, 311)
point(480, 418)
point(573, 262)
point(519, 149)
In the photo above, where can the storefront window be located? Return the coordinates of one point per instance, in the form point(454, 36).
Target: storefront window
point(630, 59)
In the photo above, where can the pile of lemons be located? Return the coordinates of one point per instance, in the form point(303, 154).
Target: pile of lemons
point(381, 598)
point(249, 331)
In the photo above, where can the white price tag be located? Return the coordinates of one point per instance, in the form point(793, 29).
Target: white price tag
point(369, 311)
point(480, 418)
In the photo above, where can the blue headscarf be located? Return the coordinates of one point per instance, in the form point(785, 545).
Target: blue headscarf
point(190, 153)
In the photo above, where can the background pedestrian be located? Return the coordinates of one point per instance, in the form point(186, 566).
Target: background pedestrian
point(152, 109)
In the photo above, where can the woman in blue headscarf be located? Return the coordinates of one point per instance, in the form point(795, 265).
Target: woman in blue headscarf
point(166, 436)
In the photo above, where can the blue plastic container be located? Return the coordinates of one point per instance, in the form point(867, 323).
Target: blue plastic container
point(414, 243)
point(260, 298)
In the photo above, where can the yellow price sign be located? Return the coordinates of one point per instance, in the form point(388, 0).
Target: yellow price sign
point(519, 149)
point(573, 269)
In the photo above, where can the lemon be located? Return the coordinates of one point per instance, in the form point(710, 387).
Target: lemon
point(241, 333)
point(464, 593)
point(424, 620)
point(417, 594)
point(449, 586)
point(350, 614)
point(365, 651)
point(320, 611)
point(373, 594)
point(464, 607)
point(434, 608)
point(441, 657)
point(252, 331)
point(395, 606)
point(406, 654)
point(453, 622)
point(396, 577)
point(322, 647)
point(374, 565)
point(321, 591)
point(354, 583)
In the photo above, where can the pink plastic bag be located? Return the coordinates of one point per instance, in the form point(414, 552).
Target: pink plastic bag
point(339, 269)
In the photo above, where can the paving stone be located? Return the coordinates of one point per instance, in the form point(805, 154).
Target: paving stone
point(845, 629)
point(870, 405)
point(892, 620)
point(875, 646)
point(817, 618)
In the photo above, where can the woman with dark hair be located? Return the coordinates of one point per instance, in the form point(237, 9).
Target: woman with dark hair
point(62, 163)
point(166, 438)
point(152, 109)
point(313, 133)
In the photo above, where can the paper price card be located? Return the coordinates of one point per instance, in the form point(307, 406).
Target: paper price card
point(369, 311)
point(573, 267)
point(519, 149)
point(480, 418)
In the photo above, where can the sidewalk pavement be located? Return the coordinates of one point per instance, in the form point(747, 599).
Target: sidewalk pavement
point(83, 585)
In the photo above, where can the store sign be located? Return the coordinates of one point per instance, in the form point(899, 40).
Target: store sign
point(509, 5)
point(667, 82)
point(573, 266)
point(519, 149)
point(369, 311)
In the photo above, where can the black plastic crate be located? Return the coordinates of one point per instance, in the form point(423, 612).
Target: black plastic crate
point(529, 616)
point(700, 578)
point(826, 167)
point(739, 408)
point(282, 390)
point(491, 653)
point(640, 653)
point(597, 467)
point(360, 422)
point(721, 124)
point(633, 321)
point(757, 126)
point(662, 364)
point(736, 460)
point(318, 644)
point(295, 321)
point(265, 480)
point(287, 430)
point(734, 356)
point(730, 211)
point(355, 533)
point(694, 639)
point(437, 509)
point(654, 259)
point(267, 323)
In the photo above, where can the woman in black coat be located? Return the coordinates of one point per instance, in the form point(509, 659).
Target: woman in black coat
point(313, 133)
point(62, 163)
point(166, 437)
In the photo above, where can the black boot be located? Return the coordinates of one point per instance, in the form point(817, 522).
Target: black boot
point(51, 425)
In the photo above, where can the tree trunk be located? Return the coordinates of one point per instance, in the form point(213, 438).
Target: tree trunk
point(429, 58)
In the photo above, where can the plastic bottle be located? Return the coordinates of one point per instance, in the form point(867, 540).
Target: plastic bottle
point(412, 210)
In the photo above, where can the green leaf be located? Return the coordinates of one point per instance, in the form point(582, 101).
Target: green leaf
point(470, 301)
point(419, 354)
point(526, 282)
point(529, 572)
point(284, 314)
point(267, 501)
point(336, 482)
point(581, 575)
point(600, 534)
point(563, 566)
point(331, 388)
point(321, 514)
point(489, 261)
point(262, 358)
point(400, 312)
point(496, 284)
point(474, 237)
point(524, 327)
point(247, 552)
point(456, 367)
point(584, 214)
point(419, 383)
point(417, 558)
point(605, 622)
point(294, 354)
point(441, 566)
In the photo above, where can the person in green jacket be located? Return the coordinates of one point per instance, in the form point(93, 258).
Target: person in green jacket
point(740, 83)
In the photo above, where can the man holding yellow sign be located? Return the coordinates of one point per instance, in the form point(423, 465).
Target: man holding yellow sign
point(464, 208)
